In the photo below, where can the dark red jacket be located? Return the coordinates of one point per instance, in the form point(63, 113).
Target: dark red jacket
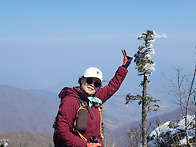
point(69, 106)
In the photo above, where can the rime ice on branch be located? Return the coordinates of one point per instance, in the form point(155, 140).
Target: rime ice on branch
point(143, 60)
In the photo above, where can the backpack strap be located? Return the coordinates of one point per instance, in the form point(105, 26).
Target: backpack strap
point(101, 119)
point(82, 104)
point(75, 121)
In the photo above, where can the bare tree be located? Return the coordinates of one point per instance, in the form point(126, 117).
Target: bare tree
point(183, 91)
point(190, 93)
point(194, 98)
point(134, 135)
point(109, 139)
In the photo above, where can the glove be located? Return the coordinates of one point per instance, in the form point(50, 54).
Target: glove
point(127, 59)
point(93, 144)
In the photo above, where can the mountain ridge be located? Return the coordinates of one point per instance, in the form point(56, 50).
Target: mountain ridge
point(35, 110)
point(26, 110)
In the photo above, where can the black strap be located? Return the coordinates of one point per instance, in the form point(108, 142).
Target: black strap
point(81, 103)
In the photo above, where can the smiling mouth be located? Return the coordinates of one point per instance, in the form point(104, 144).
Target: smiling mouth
point(90, 88)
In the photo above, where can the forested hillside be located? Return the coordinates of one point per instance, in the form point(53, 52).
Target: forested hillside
point(27, 139)
point(26, 110)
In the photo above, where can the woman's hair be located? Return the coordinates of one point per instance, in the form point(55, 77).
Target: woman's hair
point(79, 80)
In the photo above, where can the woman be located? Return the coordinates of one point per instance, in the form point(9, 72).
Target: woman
point(92, 95)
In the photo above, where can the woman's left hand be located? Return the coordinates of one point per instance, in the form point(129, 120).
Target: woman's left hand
point(127, 59)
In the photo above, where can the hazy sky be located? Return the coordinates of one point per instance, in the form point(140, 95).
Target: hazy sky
point(47, 42)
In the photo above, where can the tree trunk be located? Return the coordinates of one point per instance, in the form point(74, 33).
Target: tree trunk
point(187, 107)
point(195, 124)
point(144, 112)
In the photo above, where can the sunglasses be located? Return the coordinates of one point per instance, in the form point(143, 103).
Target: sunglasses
point(96, 83)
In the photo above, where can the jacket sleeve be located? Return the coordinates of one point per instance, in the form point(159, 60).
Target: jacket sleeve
point(114, 84)
point(66, 115)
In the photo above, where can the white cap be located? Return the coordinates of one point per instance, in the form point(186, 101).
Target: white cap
point(93, 72)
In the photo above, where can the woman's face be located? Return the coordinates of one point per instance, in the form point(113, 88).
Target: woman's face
point(90, 85)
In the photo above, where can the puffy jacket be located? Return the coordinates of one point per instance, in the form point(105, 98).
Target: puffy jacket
point(69, 106)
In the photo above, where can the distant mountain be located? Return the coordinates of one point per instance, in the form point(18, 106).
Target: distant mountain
point(27, 139)
point(26, 110)
point(120, 133)
point(35, 110)
point(46, 93)
point(117, 115)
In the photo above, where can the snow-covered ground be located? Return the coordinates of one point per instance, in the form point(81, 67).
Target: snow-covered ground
point(158, 135)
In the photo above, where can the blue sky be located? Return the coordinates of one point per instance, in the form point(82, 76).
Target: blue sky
point(45, 42)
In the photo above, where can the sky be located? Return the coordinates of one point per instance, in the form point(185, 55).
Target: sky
point(44, 43)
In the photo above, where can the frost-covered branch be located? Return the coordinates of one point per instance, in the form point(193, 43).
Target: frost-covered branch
point(143, 60)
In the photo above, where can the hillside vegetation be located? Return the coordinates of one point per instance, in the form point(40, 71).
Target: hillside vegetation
point(27, 139)
point(26, 110)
